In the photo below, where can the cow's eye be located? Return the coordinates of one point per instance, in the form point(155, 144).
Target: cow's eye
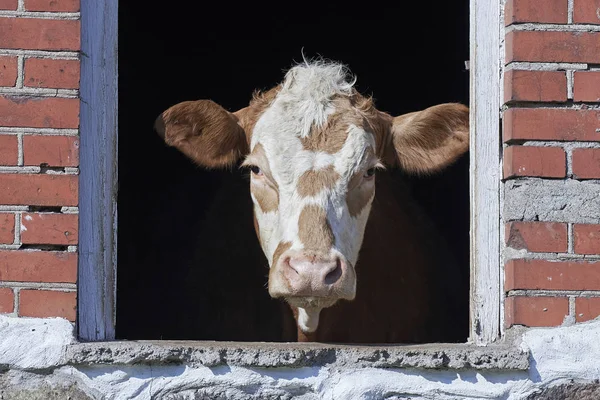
point(255, 170)
point(370, 173)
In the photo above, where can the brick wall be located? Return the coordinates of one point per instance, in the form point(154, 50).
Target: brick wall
point(551, 135)
point(551, 148)
point(39, 119)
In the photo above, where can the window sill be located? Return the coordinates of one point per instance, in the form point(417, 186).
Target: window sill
point(269, 355)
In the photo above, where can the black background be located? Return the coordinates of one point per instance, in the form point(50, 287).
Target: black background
point(185, 238)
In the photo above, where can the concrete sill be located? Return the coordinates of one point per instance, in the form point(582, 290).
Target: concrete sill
point(210, 354)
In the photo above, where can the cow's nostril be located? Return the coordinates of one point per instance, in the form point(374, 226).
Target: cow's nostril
point(334, 275)
point(287, 263)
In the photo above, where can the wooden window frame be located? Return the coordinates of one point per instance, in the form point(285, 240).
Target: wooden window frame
point(98, 181)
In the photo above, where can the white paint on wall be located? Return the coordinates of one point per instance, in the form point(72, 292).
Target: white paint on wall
point(557, 356)
point(566, 351)
point(34, 343)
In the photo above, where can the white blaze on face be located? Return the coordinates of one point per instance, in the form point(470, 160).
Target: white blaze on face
point(313, 154)
point(351, 204)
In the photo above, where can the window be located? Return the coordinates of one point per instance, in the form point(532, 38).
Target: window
point(174, 217)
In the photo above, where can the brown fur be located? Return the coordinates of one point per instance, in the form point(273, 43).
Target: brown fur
point(248, 116)
point(396, 267)
point(267, 192)
point(267, 198)
point(358, 197)
point(430, 140)
point(330, 137)
point(406, 281)
point(360, 191)
point(204, 131)
point(314, 230)
point(375, 122)
point(282, 247)
point(313, 181)
point(330, 143)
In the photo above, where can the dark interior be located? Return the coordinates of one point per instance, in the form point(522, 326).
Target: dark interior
point(185, 235)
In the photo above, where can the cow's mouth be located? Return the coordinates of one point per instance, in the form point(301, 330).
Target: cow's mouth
point(311, 302)
point(307, 310)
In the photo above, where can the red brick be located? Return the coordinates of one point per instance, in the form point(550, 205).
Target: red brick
point(553, 46)
point(586, 163)
point(49, 228)
point(39, 112)
point(586, 11)
point(38, 189)
point(7, 228)
point(535, 86)
point(537, 236)
point(587, 308)
point(9, 150)
point(8, 71)
point(7, 300)
point(8, 4)
point(52, 5)
point(55, 151)
point(39, 34)
point(586, 239)
point(535, 311)
point(586, 86)
point(47, 73)
point(551, 275)
point(552, 11)
point(38, 266)
point(551, 124)
point(548, 162)
point(47, 303)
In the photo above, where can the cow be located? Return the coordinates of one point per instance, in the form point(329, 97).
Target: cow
point(353, 266)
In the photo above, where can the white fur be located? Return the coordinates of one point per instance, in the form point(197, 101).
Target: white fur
point(304, 101)
point(351, 158)
point(307, 91)
point(308, 319)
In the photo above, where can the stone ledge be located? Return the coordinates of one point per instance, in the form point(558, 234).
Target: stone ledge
point(210, 354)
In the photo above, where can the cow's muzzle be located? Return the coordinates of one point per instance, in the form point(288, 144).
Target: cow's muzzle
point(307, 279)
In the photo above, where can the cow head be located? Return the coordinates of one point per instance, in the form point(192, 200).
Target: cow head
point(313, 145)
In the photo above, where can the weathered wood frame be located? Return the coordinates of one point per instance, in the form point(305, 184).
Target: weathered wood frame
point(485, 167)
point(98, 175)
point(98, 182)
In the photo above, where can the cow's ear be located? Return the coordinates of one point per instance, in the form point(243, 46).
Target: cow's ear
point(427, 141)
point(204, 131)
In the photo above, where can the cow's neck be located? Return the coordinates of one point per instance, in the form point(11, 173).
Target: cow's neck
point(307, 322)
point(306, 336)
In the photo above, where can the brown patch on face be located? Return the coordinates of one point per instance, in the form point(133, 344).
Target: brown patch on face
point(266, 197)
point(377, 123)
point(369, 158)
point(248, 116)
point(359, 193)
point(313, 181)
point(330, 138)
point(326, 139)
point(314, 230)
point(266, 192)
point(282, 247)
